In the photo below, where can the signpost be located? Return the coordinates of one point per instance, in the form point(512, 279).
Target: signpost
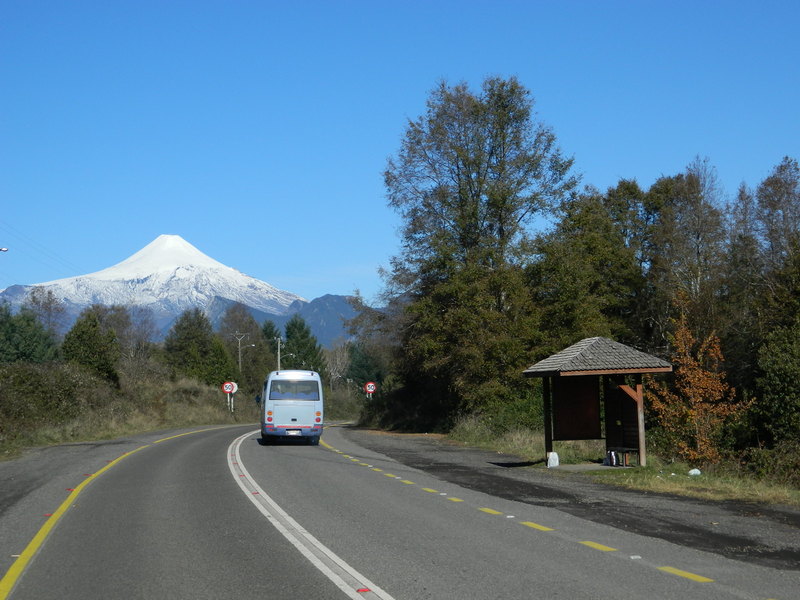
point(230, 388)
point(369, 388)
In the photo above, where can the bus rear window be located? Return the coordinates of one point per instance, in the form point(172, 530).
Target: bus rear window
point(294, 390)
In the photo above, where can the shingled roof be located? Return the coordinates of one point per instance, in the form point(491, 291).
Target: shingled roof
point(598, 356)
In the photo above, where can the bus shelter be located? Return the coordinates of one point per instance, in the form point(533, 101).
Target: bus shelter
point(592, 383)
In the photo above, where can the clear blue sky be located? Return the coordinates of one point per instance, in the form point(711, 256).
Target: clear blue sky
point(259, 131)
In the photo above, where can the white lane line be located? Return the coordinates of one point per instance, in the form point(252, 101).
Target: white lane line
point(345, 577)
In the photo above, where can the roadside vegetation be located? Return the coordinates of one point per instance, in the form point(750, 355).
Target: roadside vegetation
point(105, 377)
point(705, 278)
point(480, 291)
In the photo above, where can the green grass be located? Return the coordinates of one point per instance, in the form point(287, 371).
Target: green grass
point(674, 478)
point(169, 405)
point(723, 483)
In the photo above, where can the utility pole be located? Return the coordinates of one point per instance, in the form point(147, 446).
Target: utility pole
point(239, 337)
point(280, 341)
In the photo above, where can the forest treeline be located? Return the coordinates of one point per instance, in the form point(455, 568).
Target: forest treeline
point(107, 372)
point(481, 289)
point(506, 257)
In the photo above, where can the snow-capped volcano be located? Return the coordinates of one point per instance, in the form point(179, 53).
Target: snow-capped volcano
point(168, 276)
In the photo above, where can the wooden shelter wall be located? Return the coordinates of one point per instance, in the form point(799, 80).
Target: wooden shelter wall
point(576, 408)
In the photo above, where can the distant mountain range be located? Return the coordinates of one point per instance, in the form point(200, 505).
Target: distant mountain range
point(169, 276)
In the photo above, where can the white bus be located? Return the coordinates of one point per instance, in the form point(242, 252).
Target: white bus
point(292, 406)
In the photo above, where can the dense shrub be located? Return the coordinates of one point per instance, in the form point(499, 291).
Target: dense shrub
point(39, 395)
point(780, 464)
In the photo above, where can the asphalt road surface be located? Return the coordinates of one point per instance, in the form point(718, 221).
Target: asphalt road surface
point(213, 513)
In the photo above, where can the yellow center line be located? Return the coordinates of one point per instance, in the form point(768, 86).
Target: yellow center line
point(172, 437)
point(490, 511)
point(455, 499)
point(406, 481)
point(16, 569)
point(14, 572)
point(432, 491)
point(600, 547)
point(533, 525)
point(685, 574)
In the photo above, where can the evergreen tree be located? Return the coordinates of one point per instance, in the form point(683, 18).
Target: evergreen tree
point(23, 338)
point(271, 333)
point(191, 349)
point(302, 350)
point(777, 407)
point(743, 293)
point(586, 279)
point(89, 345)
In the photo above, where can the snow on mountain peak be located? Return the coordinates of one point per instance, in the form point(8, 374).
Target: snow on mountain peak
point(170, 275)
point(166, 253)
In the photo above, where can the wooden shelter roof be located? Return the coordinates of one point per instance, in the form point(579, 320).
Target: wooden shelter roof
point(597, 356)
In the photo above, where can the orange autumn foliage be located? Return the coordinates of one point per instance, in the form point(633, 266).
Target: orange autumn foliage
point(693, 410)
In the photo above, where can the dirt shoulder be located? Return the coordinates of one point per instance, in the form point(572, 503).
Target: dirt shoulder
point(766, 535)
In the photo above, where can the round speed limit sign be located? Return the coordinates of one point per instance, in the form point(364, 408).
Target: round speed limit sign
point(370, 387)
point(229, 387)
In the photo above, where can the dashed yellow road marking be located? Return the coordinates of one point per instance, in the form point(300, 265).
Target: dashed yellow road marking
point(490, 511)
point(686, 574)
point(530, 524)
point(533, 525)
point(600, 547)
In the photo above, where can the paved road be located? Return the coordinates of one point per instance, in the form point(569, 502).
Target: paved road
point(214, 514)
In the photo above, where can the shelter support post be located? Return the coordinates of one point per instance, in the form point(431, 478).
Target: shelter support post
point(547, 402)
point(638, 396)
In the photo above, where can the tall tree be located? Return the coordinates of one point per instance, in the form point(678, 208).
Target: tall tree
point(470, 177)
point(92, 346)
point(271, 333)
point(47, 307)
point(743, 291)
point(685, 253)
point(777, 407)
point(586, 278)
point(191, 349)
point(778, 207)
point(23, 338)
point(302, 350)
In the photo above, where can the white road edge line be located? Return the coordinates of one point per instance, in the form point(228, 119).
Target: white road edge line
point(329, 564)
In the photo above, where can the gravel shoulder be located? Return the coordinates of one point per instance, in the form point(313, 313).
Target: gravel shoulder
point(762, 534)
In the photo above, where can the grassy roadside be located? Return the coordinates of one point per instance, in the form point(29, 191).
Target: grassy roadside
point(175, 405)
point(661, 477)
point(167, 405)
